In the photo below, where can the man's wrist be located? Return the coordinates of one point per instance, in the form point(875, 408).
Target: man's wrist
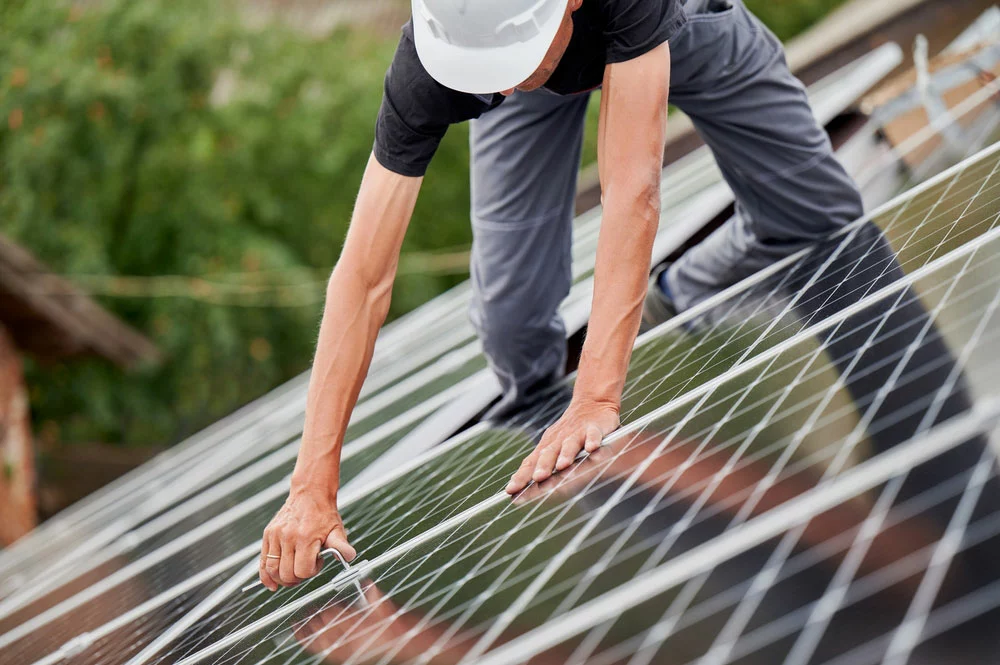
point(583, 395)
point(322, 485)
point(595, 386)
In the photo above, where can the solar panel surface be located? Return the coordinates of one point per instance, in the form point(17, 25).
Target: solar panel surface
point(738, 409)
point(702, 361)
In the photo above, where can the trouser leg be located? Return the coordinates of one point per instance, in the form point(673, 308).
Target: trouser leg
point(525, 160)
point(730, 76)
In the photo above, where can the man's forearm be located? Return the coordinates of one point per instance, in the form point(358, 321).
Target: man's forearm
point(351, 321)
point(357, 302)
point(620, 281)
point(630, 152)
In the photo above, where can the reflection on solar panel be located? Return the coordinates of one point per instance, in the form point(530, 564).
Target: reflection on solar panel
point(803, 475)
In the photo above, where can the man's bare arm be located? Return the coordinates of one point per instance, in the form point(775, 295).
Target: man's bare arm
point(357, 302)
point(630, 152)
point(631, 137)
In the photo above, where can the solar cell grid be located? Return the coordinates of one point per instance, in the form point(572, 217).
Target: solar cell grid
point(231, 522)
point(88, 636)
point(844, 598)
point(770, 308)
point(508, 566)
point(158, 489)
point(583, 274)
point(231, 497)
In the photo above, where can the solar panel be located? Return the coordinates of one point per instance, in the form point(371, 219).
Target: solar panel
point(877, 578)
point(444, 335)
point(236, 510)
point(125, 634)
point(837, 358)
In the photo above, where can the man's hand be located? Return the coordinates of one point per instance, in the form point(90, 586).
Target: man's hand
point(306, 524)
point(583, 426)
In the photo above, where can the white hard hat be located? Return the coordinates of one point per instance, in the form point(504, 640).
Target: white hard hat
point(484, 46)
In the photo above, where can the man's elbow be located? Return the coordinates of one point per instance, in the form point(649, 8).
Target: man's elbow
point(639, 198)
point(647, 200)
point(369, 284)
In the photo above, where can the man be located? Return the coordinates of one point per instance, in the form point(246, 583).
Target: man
point(522, 71)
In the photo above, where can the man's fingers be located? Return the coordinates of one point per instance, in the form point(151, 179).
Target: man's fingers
point(286, 566)
point(593, 439)
point(306, 560)
point(522, 476)
point(269, 567)
point(338, 540)
point(546, 463)
point(571, 447)
point(265, 579)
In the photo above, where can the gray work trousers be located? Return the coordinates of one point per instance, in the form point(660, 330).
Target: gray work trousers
point(730, 76)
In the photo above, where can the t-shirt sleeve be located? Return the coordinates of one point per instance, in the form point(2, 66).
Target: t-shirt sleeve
point(635, 27)
point(416, 112)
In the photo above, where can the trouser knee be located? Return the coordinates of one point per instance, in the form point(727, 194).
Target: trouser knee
point(806, 207)
point(522, 352)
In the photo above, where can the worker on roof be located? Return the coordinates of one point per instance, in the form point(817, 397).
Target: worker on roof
point(522, 71)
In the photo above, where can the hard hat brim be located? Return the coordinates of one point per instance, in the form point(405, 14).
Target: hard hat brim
point(482, 71)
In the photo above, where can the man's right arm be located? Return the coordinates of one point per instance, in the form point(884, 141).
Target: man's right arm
point(357, 302)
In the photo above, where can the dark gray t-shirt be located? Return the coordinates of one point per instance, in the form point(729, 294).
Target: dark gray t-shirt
point(417, 110)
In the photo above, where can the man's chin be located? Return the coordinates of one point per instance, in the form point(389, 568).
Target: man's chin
point(536, 81)
point(531, 86)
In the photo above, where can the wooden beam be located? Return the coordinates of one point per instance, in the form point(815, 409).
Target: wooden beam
point(50, 317)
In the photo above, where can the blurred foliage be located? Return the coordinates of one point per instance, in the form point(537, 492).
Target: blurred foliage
point(164, 137)
point(118, 156)
point(787, 18)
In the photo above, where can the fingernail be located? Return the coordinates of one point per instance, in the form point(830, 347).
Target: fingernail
point(511, 487)
point(564, 461)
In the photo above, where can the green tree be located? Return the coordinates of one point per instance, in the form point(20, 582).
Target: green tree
point(163, 138)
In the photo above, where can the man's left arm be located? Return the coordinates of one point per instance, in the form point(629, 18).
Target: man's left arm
point(630, 152)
